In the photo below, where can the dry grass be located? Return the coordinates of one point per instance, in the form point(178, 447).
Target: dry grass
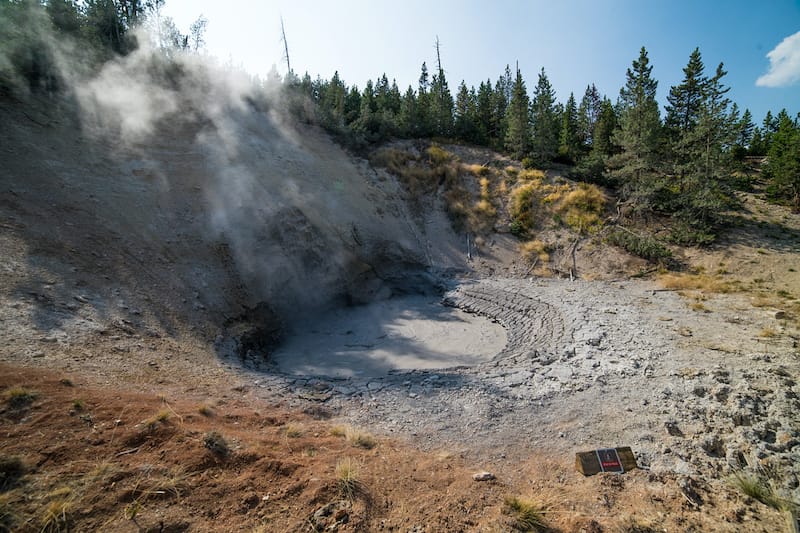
point(161, 417)
point(57, 513)
point(578, 207)
point(582, 207)
point(533, 250)
point(700, 307)
point(757, 487)
point(768, 333)
point(18, 397)
point(348, 472)
point(8, 516)
point(476, 170)
point(530, 174)
point(339, 431)
point(527, 514)
point(360, 439)
point(293, 431)
point(700, 282)
point(438, 155)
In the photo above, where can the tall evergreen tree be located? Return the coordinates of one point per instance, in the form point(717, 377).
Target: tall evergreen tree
point(544, 121)
point(569, 144)
point(683, 113)
point(484, 103)
point(783, 162)
point(604, 130)
point(638, 135)
point(465, 114)
point(501, 96)
point(518, 120)
point(588, 114)
point(423, 120)
point(408, 114)
point(745, 130)
point(441, 106)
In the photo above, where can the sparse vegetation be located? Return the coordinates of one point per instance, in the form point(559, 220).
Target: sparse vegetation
point(534, 250)
point(641, 245)
point(18, 397)
point(293, 431)
point(11, 469)
point(56, 515)
point(216, 444)
point(348, 473)
point(360, 439)
point(8, 516)
point(157, 419)
point(527, 514)
point(339, 431)
point(758, 487)
point(767, 333)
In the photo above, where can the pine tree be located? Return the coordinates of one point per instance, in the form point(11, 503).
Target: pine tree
point(518, 120)
point(408, 114)
point(465, 114)
point(544, 119)
point(604, 130)
point(588, 114)
point(783, 162)
point(683, 113)
point(423, 121)
point(501, 96)
point(638, 135)
point(485, 100)
point(352, 105)
point(569, 143)
point(746, 128)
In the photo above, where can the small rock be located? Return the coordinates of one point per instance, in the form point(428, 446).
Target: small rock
point(483, 476)
point(673, 429)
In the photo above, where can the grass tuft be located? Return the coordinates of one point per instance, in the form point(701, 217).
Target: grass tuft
point(757, 487)
point(8, 517)
point(18, 397)
point(157, 419)
point(217, 444)
point(360, 439)
point(527, 514)
point(533, 250)
point(11, 469)
point(339, 431)
point(57, 514)
point(348, 473)
point(293, 431)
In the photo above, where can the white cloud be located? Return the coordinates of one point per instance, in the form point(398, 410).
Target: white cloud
point(784, 64)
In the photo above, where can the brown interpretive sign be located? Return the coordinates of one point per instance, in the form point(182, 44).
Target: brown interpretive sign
point(616, 460)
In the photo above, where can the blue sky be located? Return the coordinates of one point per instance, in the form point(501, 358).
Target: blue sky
point(578, 42)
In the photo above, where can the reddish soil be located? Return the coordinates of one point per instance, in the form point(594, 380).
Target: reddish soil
point(108, 459)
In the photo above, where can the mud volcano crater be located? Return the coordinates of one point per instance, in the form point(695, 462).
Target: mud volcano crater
point(405, 327)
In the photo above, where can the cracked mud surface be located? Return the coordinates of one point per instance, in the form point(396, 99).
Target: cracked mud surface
point(593, 364)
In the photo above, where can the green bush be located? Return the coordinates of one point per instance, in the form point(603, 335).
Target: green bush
point(644, 246)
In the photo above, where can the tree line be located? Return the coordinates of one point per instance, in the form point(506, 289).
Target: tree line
point(684, 164)
point(95, 31)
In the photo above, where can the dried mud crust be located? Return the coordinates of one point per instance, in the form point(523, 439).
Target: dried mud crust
point(532, 325)
point(594, 364)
